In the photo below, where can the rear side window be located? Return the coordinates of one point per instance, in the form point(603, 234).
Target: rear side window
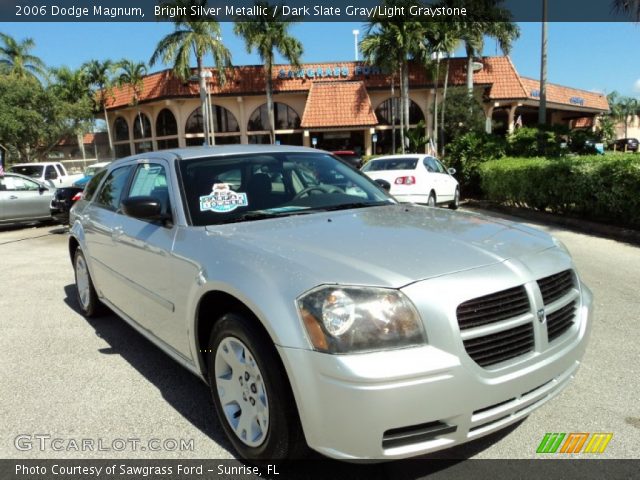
point(391, 164)
point(111, 191)
point(92, 186)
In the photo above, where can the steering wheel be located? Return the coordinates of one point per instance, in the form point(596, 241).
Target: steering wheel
point(308, 190)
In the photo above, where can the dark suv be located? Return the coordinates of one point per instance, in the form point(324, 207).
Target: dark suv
point(626, 144)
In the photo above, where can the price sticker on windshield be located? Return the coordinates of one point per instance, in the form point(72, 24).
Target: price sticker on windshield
point(222, 199)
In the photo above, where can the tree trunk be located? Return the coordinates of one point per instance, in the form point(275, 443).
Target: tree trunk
point(401, 109)
point(106, 119)
point(405, 98)
point(270, 114)
point(436, 79)
point(542, 111)
point(203, 101)
point(393, 114)
point(444, 102)
point(469, 70)
point(80, 139)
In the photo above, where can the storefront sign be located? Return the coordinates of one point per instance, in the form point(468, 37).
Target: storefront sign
point(577, 100)
point(335, 71)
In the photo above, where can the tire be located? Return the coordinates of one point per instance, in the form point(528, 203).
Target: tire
point(86, 296)
point(431, 202)
point(247, 378)
point(456, 200)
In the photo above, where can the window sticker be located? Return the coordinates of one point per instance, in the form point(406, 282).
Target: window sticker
point(222, 199)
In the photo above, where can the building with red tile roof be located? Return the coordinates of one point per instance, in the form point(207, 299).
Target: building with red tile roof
point(333, 104)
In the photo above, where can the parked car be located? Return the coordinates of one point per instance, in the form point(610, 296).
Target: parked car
point(416, 178)
point(23, 199)
point(358, 326)
point(349, 156)
point(53, 174)
point(65, 197)
point(626, 144)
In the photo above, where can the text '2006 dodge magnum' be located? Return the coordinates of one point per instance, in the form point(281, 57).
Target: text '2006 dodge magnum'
point(320, 311)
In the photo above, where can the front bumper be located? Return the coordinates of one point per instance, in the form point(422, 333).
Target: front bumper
point(403, 403)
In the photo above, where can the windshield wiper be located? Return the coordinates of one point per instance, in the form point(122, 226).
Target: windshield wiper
point(347, 206)
point(261, 215)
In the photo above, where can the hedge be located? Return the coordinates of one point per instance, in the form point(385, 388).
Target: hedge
point(604, 188)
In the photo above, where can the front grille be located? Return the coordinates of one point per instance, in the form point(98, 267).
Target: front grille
point(493, 308)
point(561, 320)
point(498, 347)
point(555, 286)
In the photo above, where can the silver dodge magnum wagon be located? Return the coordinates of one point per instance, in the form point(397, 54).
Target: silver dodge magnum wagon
point(320, 311)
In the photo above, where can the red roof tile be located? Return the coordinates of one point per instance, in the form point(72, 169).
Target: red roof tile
point(497, 73)
point(99, 138)
point(349, 98)
point(566, 95)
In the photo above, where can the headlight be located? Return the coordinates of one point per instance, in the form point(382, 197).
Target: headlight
point(357, 319)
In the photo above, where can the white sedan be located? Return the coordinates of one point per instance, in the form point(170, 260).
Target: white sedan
point(416, 178)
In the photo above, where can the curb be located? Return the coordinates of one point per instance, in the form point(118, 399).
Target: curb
point(612, 232)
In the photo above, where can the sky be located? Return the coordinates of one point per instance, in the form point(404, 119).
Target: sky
point(593, 56)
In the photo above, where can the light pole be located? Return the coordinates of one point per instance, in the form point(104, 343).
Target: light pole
point(210, 134)
point(355, 41)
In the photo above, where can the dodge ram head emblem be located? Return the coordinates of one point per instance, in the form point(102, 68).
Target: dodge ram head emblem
point(541, 316)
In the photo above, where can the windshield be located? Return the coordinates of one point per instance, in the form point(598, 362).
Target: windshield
point(391, 164)
point(255, 186)
point(33, 171)
point(91, 171)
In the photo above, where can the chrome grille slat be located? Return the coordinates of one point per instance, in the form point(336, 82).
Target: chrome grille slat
point(555, 286)
point(493, 308)
point(501, 346)
point(561, 320)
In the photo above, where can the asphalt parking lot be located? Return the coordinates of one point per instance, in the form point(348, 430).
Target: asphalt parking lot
point(72, 378)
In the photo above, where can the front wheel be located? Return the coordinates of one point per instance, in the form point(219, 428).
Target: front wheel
point(431, 202)
point(251, 394)
point(456, 200)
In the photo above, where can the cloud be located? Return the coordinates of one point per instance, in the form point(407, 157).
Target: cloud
point(636, 85)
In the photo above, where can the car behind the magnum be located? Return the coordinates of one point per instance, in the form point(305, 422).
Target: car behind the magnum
point(324, 315)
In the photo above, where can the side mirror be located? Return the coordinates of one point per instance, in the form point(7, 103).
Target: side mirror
point(452, 171)
point(383, 184)
point(143, 207)
point(42, 189)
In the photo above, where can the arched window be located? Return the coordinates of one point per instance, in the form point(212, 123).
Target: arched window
point(223, 121)
point(166, 124)
point(121, 128)
point(383, 112)
point(286, 118)
point(141, 126)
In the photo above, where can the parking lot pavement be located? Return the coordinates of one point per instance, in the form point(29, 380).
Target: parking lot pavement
point(76, 379)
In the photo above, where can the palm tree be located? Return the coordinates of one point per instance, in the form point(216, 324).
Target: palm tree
point(199, 38)
point(490, 19)
point(406, 35)
point(268, 34)
point(439, 38)
point(72, 87)
point(132, 74)
point(99, 76)
point(629, 7)
point(16, 59)
point(379, 49)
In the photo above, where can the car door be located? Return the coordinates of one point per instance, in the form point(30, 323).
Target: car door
point(100, 217)
point(446, 182)
point(433, 179)
point(23, 199)
point(144, 260)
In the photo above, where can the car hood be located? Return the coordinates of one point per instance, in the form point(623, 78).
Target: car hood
point(391, 245)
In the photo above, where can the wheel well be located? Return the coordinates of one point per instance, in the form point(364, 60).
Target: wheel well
point(73, 246)
point(212, 306)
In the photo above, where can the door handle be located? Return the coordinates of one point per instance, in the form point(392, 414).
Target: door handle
point(117, 232)
point(13, 197)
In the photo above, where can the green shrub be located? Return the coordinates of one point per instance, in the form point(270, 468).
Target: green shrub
point(595, 187)
point(531, 141)
point(467, 152)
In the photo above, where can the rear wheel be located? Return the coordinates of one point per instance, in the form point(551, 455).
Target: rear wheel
point(86, 295)
point(250, 392)
point(432, 200)
point(456, 200)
